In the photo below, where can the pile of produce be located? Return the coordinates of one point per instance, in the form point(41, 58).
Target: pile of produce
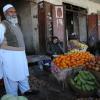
point(83, 46)
point(93, 64)
point(73, 51)
point(72, 60)
point(84, 81)
point(75, 44)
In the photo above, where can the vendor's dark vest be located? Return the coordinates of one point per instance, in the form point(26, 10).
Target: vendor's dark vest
point(10, 36)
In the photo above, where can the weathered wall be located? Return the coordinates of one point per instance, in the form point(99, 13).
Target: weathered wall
point(24, 11)
point(34, 19)
point(92, 7)
point(29, 21)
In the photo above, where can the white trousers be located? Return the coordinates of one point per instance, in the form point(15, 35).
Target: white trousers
point(11, 87)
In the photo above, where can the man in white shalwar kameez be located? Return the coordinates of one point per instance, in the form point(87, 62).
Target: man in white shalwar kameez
point(13, 62)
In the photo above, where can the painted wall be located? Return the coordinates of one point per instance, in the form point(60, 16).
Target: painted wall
point(92, 7)
point(34, 19)
point(25, 12)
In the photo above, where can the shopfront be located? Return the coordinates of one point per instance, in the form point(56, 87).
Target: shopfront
point(67, 22)
point(65, 19)
point(75, 21)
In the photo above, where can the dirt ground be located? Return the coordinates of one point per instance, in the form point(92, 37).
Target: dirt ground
point(50, 88)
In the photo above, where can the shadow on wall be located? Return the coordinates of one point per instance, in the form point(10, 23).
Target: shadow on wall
point(95, 49)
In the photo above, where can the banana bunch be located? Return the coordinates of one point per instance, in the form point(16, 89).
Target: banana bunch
point(79, 45)
point(73, 51)
point(83, 47)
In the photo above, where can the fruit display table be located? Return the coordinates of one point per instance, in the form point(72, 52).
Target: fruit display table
point(83, 70)
point(37, 58)
point(63, 65)
point(40, 60)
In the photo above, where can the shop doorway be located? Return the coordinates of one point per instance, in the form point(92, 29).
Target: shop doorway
point(75, 20)
point(72, 25)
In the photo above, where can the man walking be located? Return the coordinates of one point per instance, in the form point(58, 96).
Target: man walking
point(12, 53)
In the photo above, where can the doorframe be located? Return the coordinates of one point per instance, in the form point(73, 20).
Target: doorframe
point(71, 10)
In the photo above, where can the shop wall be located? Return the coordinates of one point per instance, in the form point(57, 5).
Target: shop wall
point(24, 11)
point(92, 7)
point(56, 2)
point(35, 34)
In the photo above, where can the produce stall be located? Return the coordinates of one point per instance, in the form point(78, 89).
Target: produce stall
point(76, 69)
point(70, 61)
point(75, 44)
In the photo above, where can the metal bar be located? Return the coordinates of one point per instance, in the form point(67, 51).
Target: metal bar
point(76, 11)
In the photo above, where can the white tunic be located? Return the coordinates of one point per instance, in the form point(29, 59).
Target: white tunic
point(12, 63)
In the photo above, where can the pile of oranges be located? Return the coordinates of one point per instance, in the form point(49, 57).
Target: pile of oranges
point(73, 60)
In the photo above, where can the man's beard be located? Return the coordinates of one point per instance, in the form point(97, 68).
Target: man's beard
point(13, 19)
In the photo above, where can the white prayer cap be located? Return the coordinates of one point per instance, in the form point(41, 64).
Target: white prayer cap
point(6, 7)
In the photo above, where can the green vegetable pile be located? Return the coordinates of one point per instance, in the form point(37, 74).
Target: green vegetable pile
point(84, 81)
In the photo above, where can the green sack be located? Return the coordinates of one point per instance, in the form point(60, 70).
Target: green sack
point(10, 97)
